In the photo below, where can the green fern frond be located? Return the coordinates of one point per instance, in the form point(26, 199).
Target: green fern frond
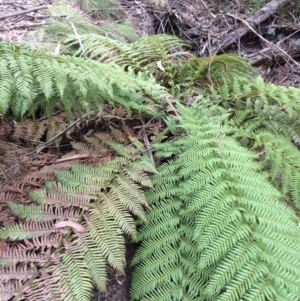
point(102, 8)
point(158, 55)
point(217, 229)
point(277, 107)
point(144, 52)
point(95, 261)
point(282, 159)
point(42, 81)
point(26, 230)
point(62, 26)
point(214, 70)
point(268, 120)
point(79, 287)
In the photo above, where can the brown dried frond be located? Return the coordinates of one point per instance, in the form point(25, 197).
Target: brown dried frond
point(42, 242)
point(56, 196)
point(47, 287)
point(14, 192)
point(14, 161)
point(6, 129)
point(15, 255)
point(118, 136)
point(127, 130)
point(6, 216)
point(46, 173)
point(29, 130)
point(9, 289)
point(18, 272)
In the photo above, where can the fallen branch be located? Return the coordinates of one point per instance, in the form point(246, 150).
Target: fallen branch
point(49, 142)
point(261, 15)
point(24, 12)
point(273, 46)
point(78, 37)
point(266, 55)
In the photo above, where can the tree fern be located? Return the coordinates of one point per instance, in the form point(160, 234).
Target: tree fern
point(33, 80)
point(165, 57)
point(217, 229)
point(268, 120)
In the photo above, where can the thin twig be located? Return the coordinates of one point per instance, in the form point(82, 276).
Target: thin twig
point(171, 105)
point(286, 55)
point(24, 12)
point(148, 148)
point(77, 36)
point(39, 149)
point(75, 157)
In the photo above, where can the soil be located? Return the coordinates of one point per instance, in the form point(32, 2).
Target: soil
point(118, 286)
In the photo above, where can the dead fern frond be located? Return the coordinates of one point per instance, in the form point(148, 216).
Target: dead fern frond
point(96, 205)
point(15, 255)
point(20, 272)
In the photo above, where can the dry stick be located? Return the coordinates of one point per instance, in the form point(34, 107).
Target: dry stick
point(148, 147)
point(287, 56)
point(75, 157)
point(77, 36)
point(171, 105)
point(39, 149)
point(261, 15)
point(24, 12)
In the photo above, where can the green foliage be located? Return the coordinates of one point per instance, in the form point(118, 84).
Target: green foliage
point(220, 69)
point(217, 229)
point(66, 19)
point(268, 118)
point(104, 9)
point(32, 81)
point(91, 209)
point(142, 55)
point(60, 26)
point(165, 58)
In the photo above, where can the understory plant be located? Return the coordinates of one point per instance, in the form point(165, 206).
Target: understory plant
point(221, 219)
point(75, 227)
point(216, 229)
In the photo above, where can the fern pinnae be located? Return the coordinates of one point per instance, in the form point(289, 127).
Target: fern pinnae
point(105, 232)
point(44, 212)
point(7, 87)
point(227, 216)
point(119, 212)
point(43, 81)
point(95, 261)
point(26, 230)
point(80, 287)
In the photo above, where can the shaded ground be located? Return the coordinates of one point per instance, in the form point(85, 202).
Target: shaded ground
point(118, 286)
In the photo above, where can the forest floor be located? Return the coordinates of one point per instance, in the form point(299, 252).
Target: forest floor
point(268, 38)
point(265, 33)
